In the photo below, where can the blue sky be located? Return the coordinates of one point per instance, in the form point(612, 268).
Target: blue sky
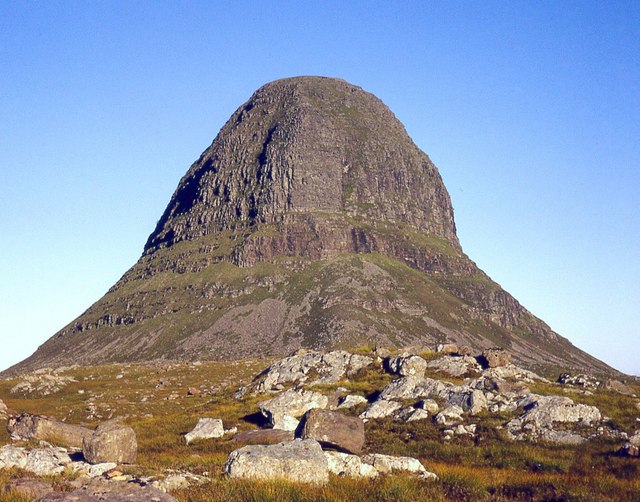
point(531, 110)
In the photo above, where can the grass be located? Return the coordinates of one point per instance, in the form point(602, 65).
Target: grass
point(154, 400)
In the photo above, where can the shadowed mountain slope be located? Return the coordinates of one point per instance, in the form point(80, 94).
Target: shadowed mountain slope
point(312, 220)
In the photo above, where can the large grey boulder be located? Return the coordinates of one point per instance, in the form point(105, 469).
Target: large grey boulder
point(40, 461)
point(412, 387)
point(333, 430)
point(328, 368)
point(283, 410)
point(387, 464)
point(300, 461)
point(455, 366)
point(543, 413)
point(406, 365)
point(26, 426)
point(351, 400)
point(206, 428)
point(111, 442)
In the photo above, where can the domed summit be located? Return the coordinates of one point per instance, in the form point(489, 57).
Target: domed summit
point(312, 221)
point(307, 145)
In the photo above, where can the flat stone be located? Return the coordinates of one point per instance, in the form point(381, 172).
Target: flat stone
point(300, 461)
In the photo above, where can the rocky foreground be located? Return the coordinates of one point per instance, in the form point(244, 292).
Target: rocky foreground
point(309, 419)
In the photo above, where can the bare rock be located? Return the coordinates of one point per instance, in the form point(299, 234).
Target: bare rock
point(429, 405)
point(406, 365)
point(333, 430)
point(619, 387)
point(283, 410)
point(300, 461)
point(27, 426)
point(110, 491)
point(450, 414)
point(206, 428)
point(580, 380)
point(417, 414)
point(3, 410)
point(40, 461)
point(111, 442)
point(42, 382)
point(351, 466)
point(263, 436)
point(496, 357)
point(413, 388)
point(380, 409)
point(632, 447)
point(30, 489)
point(387, 464)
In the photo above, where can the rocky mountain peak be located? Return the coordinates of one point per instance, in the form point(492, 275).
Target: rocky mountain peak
point(307, 145)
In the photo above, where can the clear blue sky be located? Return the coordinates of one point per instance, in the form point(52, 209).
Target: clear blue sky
point(531, 110)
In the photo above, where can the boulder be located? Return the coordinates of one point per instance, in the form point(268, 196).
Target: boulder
point(412, 387)
point(380, 409)
point(472, 401)
point(333, 430)
point(387, 464)
point(429, 405)
point(26, 426)
point(619, 387)
point(455, 366)
point(632, 447)
point(496, 357)
point(40, 461)
point(406, 365)
point(263, 436)
point(351, 466)
point(447, 348)
point(417, 414)
point(449, 415)
point(282, 411)
point(111, 442)
point(541, 415)
point(352, 400)
point(206, 428)
point(299, 461)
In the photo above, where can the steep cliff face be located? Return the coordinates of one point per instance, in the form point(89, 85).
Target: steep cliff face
point(303, 145)
point(312, 220)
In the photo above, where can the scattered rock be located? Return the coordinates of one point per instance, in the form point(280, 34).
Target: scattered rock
point(282, 411)
point(27, 426)
point(111, 442)
point(42, 383)
point(386, 464)
point(581, 380)
point(496, 357)
point(406, 365)
point(413, 388)
point(351, 466)
point(206, 428)
point(449, 415)
point(299, 461)
point(333, 430)
point(177, 481)
point(263, 436)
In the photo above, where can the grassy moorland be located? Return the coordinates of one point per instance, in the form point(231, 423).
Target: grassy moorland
point(163, 401)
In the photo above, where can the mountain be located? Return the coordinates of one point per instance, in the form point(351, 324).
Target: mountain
point(312, 220)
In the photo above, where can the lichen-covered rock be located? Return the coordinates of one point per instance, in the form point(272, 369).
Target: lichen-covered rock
point(450, 414)
point(299, 461)
point(455, 366)
point(406, 365)
point(386, 464)
point(542, 413)
point(40, 461)
point(352, 400)
point(283, 410)
point(412, 387)
point(334, 430)
point(351, 466)
point(206, 428)
point(26, 426)
point(111, 442)
point(380, 409)
point(417, 414)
